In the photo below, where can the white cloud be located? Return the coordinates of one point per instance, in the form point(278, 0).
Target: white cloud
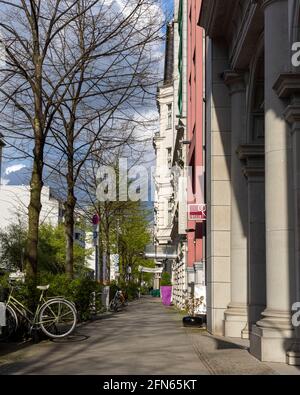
point(14, 168)
point(10, 170)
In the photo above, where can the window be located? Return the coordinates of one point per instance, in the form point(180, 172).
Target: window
point(170, 116)
point(169, 157)
point(170, 210)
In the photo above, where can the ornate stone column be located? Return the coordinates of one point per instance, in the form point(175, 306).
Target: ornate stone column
point(236, 315)
point(252, 157)
point(271, 337)
point(288, 87)
point(293, 117)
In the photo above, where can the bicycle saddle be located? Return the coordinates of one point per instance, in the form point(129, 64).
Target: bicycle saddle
point(43, 287)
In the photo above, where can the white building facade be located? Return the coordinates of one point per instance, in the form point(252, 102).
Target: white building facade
point(14, 202)
point(164, 148)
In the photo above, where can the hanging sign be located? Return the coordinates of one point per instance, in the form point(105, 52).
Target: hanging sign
point(197, 212)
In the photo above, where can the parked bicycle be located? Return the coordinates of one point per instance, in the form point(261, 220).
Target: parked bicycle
point(118, 301)
point(56, 317)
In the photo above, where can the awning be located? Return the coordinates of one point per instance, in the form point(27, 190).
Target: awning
point(160, 252)
point(143, 269)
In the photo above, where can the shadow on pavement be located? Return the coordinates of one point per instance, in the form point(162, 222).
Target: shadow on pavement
point(77, 337)
point(9, 348)
point(224, 345)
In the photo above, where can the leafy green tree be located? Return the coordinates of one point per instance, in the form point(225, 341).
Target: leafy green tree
point(133, 236)
point(51, 249)
point(12, 246)
point(165, 279)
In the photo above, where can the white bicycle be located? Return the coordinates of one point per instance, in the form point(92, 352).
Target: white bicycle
point(56, 317)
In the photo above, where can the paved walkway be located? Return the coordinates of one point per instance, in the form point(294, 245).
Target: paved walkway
point(146, 338)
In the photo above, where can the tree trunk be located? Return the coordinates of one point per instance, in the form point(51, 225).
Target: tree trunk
point(107, 230)
point(69, 232)
point(100, 254)
point(36, 184)
point(34, 209)
point(70, 205)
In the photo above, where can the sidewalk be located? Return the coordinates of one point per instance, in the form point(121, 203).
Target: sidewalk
point(146, 338)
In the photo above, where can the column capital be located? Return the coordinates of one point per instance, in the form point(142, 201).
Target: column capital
point(234, 80)
point(253, 157)
point(287, 85)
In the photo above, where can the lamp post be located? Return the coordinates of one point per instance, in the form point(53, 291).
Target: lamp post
point(96, 221)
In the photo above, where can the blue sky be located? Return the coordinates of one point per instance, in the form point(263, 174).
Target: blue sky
point(18, 171)
point(169, 5)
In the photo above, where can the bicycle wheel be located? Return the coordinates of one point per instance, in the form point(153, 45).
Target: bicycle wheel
point(57, 318)
point(11, 324)
point(113, 305)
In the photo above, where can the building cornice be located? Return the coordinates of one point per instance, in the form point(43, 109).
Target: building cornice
point(242, 32)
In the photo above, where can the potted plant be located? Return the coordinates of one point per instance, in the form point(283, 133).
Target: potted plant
point(196, 309)
point(166, 289)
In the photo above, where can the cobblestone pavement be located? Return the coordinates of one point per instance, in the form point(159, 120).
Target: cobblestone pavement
point(145, 338)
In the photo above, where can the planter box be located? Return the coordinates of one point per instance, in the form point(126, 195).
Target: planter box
point(166, 294)
point(197, 321)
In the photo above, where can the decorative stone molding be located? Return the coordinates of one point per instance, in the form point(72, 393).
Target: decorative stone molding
point(287, 85)
point(252, 155)
point(292, 115)
point(234, 80)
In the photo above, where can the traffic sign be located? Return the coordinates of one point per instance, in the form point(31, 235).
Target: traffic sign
point(96, 219)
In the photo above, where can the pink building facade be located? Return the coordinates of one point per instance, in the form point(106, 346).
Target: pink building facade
point(195, 157)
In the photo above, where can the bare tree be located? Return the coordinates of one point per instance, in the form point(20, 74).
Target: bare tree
point(70, 64)
point(32, 85)
point(116, 81)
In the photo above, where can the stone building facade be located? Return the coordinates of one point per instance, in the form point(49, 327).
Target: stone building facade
point(179, 152)
point(171, 156)
point(163, 145)
point(252, 120)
